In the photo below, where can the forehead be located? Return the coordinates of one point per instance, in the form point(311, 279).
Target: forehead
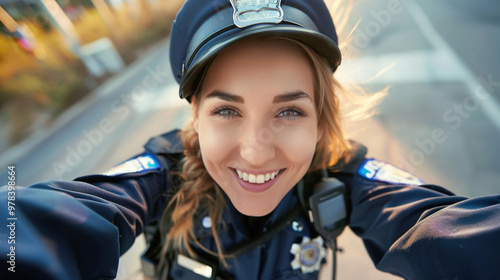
point(265, 62)
point(261, 49)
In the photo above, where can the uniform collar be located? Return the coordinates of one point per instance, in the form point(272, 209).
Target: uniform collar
point(236, 221)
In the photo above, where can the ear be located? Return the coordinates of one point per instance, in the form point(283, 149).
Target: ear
point(194, 110)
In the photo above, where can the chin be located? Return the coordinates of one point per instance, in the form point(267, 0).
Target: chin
point(249, 208)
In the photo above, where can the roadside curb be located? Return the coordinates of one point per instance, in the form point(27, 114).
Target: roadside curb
point(12, 154)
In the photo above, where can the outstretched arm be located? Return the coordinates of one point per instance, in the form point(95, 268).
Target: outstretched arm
point(424, 231)
point(79, 229)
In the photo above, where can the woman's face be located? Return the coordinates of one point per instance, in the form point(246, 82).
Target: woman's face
point(257, 123)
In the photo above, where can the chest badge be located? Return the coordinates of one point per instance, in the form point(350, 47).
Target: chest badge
point(308, 255)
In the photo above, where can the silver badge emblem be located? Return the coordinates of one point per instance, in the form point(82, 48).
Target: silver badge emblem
point(308, 255)
point(250, 12)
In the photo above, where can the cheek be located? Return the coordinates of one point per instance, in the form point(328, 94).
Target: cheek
point(216, 142)
point(299, 143)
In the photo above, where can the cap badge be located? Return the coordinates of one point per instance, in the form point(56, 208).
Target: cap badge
point(308, 255)
point(250, 12)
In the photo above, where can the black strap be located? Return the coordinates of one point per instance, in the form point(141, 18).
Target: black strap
point(261, 238)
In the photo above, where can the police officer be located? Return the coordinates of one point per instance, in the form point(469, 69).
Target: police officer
point(233, 190)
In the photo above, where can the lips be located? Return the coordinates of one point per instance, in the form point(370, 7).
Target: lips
point(256, 183)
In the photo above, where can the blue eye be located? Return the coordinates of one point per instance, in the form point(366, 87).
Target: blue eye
point(225, 112)
point(291, 113)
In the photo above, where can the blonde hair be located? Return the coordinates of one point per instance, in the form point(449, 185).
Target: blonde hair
point(199, 191)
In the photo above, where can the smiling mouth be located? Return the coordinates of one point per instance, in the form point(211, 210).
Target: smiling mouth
point(256, 178)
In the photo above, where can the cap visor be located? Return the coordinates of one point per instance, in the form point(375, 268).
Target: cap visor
point(196, 68)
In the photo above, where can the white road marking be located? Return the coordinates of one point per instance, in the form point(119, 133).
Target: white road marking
point(161, 98)
point(490, 106)
point(440, 64)
point(418, 66)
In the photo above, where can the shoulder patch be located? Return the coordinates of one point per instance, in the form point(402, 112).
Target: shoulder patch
point(375, 170)
point(139, 164)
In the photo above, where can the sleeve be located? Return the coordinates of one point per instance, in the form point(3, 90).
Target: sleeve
point(424, 231)
point(79, 229)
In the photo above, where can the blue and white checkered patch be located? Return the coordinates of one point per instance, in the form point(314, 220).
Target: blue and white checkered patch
point(375, 170)
point(136, 165)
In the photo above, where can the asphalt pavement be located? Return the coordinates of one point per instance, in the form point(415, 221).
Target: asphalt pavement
point(441, 119)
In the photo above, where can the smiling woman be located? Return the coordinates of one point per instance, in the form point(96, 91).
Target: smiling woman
point(268, 82)
point(265, 109)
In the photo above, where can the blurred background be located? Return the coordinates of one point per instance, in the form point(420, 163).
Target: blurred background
point(85, 83)
point(53, 53)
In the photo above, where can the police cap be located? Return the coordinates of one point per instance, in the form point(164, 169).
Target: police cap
point(202, 28)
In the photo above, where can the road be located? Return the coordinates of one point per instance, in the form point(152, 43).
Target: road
point(440, 120)
point(442, 83)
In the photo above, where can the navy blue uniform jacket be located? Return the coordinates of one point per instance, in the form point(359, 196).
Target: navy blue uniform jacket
point(79, 229)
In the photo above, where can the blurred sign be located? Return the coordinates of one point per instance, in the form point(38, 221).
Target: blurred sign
point(101, 57)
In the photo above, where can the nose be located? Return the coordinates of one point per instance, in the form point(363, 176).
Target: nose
point(258, 146)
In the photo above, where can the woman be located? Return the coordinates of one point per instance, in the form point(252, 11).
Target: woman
point(265, 123)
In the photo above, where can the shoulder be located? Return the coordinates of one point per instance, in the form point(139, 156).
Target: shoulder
point(357, 163)
point(167, 143)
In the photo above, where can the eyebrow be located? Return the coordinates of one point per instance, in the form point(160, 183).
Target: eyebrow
point(281, 98)
point(226, 96)
point(291, 96)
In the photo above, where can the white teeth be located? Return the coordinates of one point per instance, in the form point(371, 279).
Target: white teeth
point(257, 179)
point(260, 179)
point(251, 178)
